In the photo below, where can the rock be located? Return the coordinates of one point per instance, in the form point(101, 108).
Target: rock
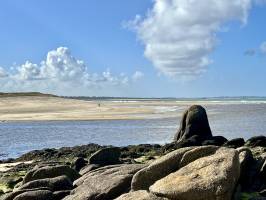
point(263, 193)
point(51, 172)
point(256, 141)
point(58, 195)
point(246, 161)
point(88, 168)
point(194, 122)
point(54, 184)
point(12, 195)
point(106, 156)
point(104, 183)
point(79, 163)
point(194, 140)
point(215, 140)
point(235, 143)
point(139, 195)
point(263, 170)
point(35, 195)
point(158, 169)
point(207, 178)
point(197, 153)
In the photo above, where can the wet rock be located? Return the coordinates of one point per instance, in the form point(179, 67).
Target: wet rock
point(54, 184)
point(208, 178)
point(215, 140)
point(104, 183)
point(106, 156)
point(235, 143)
point(256, 141)
point(50, 172)
point(194, 122)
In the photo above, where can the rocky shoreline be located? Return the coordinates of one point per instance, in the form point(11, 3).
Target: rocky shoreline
point(195, 166)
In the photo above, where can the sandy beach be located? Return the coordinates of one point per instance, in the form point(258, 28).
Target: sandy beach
point(37, 108)
point(52, 108)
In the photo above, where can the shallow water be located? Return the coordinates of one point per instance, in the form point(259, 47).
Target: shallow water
point(230, 120)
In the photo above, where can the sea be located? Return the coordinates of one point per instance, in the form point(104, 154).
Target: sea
point(231, 118)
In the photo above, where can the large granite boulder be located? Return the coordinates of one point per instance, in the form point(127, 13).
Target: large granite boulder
point(194, 122)
point(104, 183)
point(106, 156)
point(158, 169)
point(139, 195)
point(54, 184)
point(35, 195)
point(51, 172)
point(168, 164)
point(212, 177)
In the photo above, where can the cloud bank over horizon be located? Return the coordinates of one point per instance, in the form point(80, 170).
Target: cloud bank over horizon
point(62, 73)
point(180, 35)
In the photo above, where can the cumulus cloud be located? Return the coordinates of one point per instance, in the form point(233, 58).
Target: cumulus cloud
point(60, 73)
point(137, 75)
point(263, 47)
point(179, 35)
point(3, 73)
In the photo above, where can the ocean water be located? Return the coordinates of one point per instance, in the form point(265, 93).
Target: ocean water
point(230, 119)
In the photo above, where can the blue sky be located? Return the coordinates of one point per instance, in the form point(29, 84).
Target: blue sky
point(117, 48)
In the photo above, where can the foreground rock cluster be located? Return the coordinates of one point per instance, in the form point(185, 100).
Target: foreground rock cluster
point(196, 166)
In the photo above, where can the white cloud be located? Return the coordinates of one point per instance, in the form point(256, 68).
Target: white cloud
point(179, 35)
point(59, 73)
point(137, 75)
point(3, 73)
point(263, 47)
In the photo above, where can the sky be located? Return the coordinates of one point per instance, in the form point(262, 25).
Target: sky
point(140, 48)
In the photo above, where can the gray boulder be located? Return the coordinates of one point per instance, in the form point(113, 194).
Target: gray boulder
point(207, 178)
point(51, 172)
point(158, 169)
point(194, 122)
point(35, 195)
point(54, 184)
point(104, 183)
point(106, 156)
point(167, 164)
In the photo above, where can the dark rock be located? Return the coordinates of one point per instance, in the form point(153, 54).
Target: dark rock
point(54, 184)
point(194, 122)
point(246, 161)
point(79, 163)
point(106, 156)
point(58, 195)
point(51, 172)
point(35, 195)
point(235, 143)
point(13, 194)
point(88, 168)
point(104, 183)
point(215, 140)
point(256, 141)
point(192, 141)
